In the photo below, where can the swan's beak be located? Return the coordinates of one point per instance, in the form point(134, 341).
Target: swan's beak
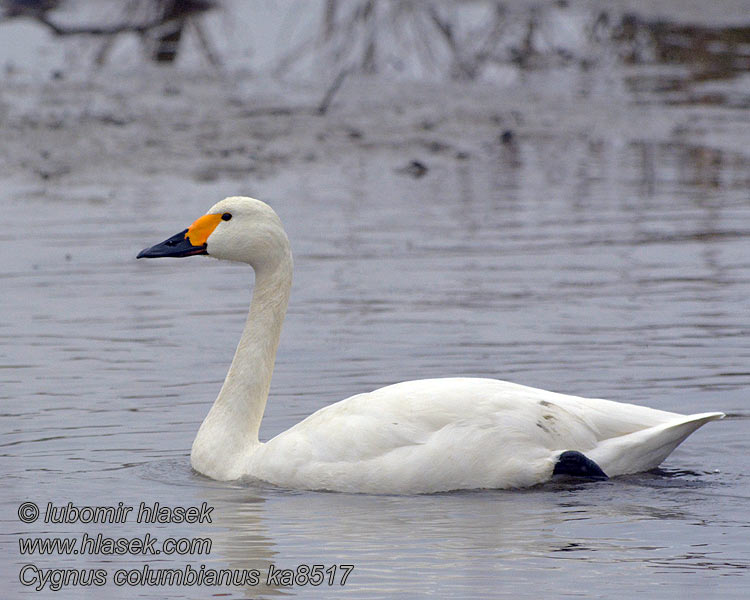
point(177, 245)
point(192, 241)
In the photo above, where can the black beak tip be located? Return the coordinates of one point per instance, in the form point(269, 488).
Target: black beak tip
point(154, 251)
point(176, 246)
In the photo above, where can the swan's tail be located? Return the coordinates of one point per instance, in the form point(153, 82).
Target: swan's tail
point(647, 448)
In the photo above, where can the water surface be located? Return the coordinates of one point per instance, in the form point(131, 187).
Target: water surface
point(602, 250)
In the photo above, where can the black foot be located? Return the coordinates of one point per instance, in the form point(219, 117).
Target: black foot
point(575, 464)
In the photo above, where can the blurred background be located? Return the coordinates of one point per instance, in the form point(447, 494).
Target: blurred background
point(549, 192)
point(98, 64)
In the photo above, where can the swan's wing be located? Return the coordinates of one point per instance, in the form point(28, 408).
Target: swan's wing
point(605, 417)
point(426, 435)
point(445, 434)
point(412, 413)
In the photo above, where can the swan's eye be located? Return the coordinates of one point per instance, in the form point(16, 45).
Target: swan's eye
point(226, 216)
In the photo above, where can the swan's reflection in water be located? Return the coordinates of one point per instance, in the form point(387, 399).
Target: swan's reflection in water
point(437, 543)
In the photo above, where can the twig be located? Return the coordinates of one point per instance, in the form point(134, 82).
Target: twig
point(446, 29)
point(208, 50)
point(332, 89)
point(100, 30)
point(329, 19)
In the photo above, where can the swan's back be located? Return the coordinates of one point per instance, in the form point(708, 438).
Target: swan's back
point(445, 434)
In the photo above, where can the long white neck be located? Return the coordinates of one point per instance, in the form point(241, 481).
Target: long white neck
point(230, 431)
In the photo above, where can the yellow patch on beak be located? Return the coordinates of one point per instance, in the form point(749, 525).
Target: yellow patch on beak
point(199, 231)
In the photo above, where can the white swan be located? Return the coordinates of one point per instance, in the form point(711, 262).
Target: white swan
point(414, 437)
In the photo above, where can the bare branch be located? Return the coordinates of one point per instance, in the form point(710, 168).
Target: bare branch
point(100, 30)
point(332, 89)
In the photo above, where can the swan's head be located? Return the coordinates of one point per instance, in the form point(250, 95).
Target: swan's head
point(237, 228)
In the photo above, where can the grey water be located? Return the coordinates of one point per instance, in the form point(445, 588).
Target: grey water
point(578, 230)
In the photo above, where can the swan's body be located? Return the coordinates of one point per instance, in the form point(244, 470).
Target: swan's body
point(419, 436)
